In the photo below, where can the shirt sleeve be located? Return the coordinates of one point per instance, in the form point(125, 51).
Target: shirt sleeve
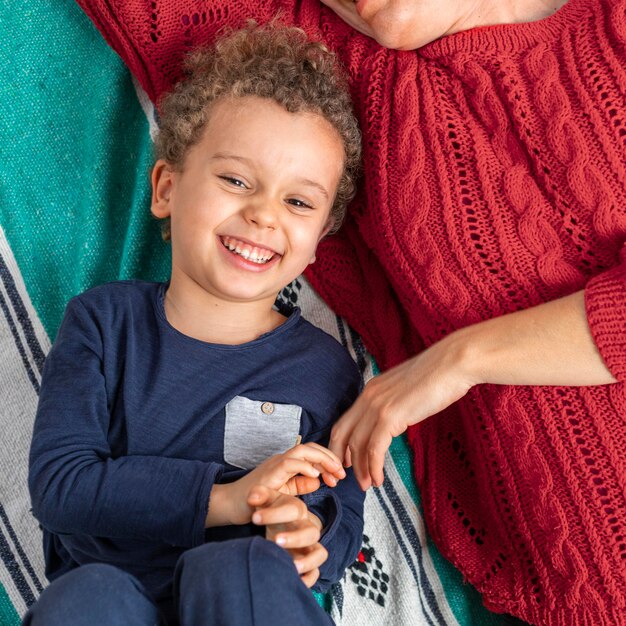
point(77, 486)
point(605, 303)
point(153, 37)
point(340, 509)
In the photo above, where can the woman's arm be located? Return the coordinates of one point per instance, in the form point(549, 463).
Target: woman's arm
point(550, 344)
point(152, 38)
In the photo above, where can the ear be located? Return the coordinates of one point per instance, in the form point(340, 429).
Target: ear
point(162, 178)
point(329, 224)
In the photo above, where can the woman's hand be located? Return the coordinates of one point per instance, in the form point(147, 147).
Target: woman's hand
point(395, 400)
point(549, 344)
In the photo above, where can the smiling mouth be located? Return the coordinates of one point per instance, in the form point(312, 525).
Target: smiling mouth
point(255, 254)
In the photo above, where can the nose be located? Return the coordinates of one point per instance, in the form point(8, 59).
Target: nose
point(262, 213)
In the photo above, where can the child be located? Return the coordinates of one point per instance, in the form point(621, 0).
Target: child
point(166, 440)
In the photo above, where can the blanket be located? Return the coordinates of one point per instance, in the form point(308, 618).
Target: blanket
point(75, 152)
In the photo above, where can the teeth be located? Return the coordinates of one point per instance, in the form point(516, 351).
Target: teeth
point(251, 254)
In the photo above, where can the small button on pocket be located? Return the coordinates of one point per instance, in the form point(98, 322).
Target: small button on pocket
point(255, 430)
point(267, 408)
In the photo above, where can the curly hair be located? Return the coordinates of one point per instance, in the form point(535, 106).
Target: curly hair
point(273, 61)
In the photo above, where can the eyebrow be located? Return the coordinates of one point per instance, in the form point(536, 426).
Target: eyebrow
point(311, 183)
point(220, 156)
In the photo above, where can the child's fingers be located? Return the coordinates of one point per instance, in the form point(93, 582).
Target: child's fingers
point(278, 476)
point(316, 454)
point(260, 495)
point(312, 559)
point(302, 537)
point(338, 474)
point(329, 479)
point(290, 467)
point(348, 458)
point(324, 450)
point(283, 510)
point(310, 578)
point(257, 496)
point(300, 485)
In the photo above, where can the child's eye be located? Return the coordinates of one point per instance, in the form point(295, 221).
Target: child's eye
point(300, 204)
point(234, 181)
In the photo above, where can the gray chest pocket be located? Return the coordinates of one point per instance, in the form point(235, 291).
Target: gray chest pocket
point(255, 431)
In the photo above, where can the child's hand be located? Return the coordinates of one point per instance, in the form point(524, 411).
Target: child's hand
point(290, 524)
point(295, 472)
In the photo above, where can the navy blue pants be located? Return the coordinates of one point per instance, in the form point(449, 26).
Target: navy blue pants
point(247, 582)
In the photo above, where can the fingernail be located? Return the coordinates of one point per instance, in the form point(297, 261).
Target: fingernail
point(256, 518)
point(299, 567)
point(281, 541)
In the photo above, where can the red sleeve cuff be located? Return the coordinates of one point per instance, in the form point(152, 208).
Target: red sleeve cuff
point(605, 303)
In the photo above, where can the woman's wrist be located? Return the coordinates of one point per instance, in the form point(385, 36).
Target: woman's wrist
point(465, 354)
point(548, 344)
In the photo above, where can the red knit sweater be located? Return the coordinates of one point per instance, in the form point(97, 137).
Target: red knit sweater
point(495, 179)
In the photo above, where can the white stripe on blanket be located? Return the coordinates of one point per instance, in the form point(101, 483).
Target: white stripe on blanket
point(23, 342)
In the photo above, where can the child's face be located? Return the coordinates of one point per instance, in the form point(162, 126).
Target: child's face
point(252, 200)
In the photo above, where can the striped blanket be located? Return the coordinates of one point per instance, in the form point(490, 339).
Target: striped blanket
point(75, 151)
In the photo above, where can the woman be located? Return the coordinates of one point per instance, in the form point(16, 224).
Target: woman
point(496, 209)
point(487, 241)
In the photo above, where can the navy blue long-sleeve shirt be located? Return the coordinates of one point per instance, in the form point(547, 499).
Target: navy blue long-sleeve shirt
point(137, 421)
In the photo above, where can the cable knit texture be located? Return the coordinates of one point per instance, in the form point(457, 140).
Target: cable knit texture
point(495, 174)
